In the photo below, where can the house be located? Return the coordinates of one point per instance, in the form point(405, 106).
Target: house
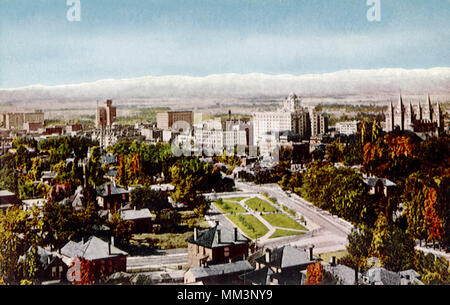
point(379, 186)
point(51, 266)
point(109, 196)
point(8, 199)
point(106, 259)
point(281, 266)
point(216, 245)
point(410, 277)
point(142, 219)
point(225, 274)
point(48, 177)
point(29, 204)
point(381, 276)
point(344, 274)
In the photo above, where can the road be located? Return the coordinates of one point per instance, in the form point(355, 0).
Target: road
point(170, 258)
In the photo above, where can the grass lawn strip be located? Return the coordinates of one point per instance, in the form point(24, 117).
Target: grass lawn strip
point(250, 225)
point(282, 233)
point(283, 221)
point(229, 206)
point(259, 205)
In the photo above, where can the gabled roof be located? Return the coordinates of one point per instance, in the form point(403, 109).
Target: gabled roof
point(345, 274)
point(260, 277)
point(221, 269)
point(382, 276)
point(102, 190)
point(94, 248)
point(136, 214)
point(209, 238)
point(286, 257)
point(372, 181)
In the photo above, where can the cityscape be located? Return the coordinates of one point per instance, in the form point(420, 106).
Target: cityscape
point(327, 178)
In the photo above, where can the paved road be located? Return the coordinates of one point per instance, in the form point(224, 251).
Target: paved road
point(165, 259)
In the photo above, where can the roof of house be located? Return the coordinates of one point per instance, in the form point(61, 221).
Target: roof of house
point(210, 238)
point(344, 274)
point(4, 193)
point(136, 214)
point(260, 277)
point(102, 190)
point(94, 248)
point(162, 187)
point(221, 269)
point(48, 174)
point(382, 276)
point(285, 257)
point(372, 181)
point(108, 159)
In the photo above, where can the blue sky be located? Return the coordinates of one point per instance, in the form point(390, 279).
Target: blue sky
point(130, 38)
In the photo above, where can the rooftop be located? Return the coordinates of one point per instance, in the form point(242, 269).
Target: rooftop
point(285, 257)
point(213, 270)
point(136, 214)
point(210, 238)
point(94, 248)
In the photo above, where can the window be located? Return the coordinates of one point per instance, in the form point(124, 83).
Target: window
point(226, 252)
point(53, 272)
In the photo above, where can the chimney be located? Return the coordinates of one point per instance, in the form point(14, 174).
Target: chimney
point(268, 256)
point(108, 187)
point(218, 236)
point(333, 261)
point(311, 256)
point(235, 234)
point(82, 240)
point(217, 223)
point(195, 233)
point(356, 275)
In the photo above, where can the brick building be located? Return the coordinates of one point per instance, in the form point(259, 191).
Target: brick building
point(216, 245)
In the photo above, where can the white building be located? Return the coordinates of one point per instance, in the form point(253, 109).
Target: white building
point(347, 128)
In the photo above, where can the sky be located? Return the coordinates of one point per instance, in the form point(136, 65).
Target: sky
point(117, 39)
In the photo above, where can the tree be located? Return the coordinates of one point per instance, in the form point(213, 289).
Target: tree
point(392, 246)
point(358, 247)
point(120, 229)
point(83, 272)
point(314, 274)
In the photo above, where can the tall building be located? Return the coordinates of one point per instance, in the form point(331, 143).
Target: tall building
point(291, 117)
point(17, 120)
point(423, 119)
point(166, 120)
point(106, 115)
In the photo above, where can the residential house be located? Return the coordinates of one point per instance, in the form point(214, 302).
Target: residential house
point(379, 186)
point(142, 219)
point(48, 177)
point(281, 266)
point(224, 274)
point(381, 276)
point(110, 196)
point(106, 259)
point(8, 199)
point(216, 245)
point(51, 266)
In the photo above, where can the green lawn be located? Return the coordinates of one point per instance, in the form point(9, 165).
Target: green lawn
point(250, 225)
point(326, 257)
point(283, 221)
point(259, 205)
point(228, 206)
point(281, 233)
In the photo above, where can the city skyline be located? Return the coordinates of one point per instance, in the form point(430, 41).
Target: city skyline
point(115, 41)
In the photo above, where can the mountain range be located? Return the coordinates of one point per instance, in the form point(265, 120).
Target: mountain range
point(241, 86)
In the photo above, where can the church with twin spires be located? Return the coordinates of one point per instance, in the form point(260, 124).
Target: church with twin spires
point(419, 119)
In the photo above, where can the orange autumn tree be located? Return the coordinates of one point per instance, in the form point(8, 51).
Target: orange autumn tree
point(433, 221)
point(393, 155)
point(314, 274)
point(81, 272)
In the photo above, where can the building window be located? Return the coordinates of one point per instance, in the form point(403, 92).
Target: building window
point(226, 252)
point(53, 272)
